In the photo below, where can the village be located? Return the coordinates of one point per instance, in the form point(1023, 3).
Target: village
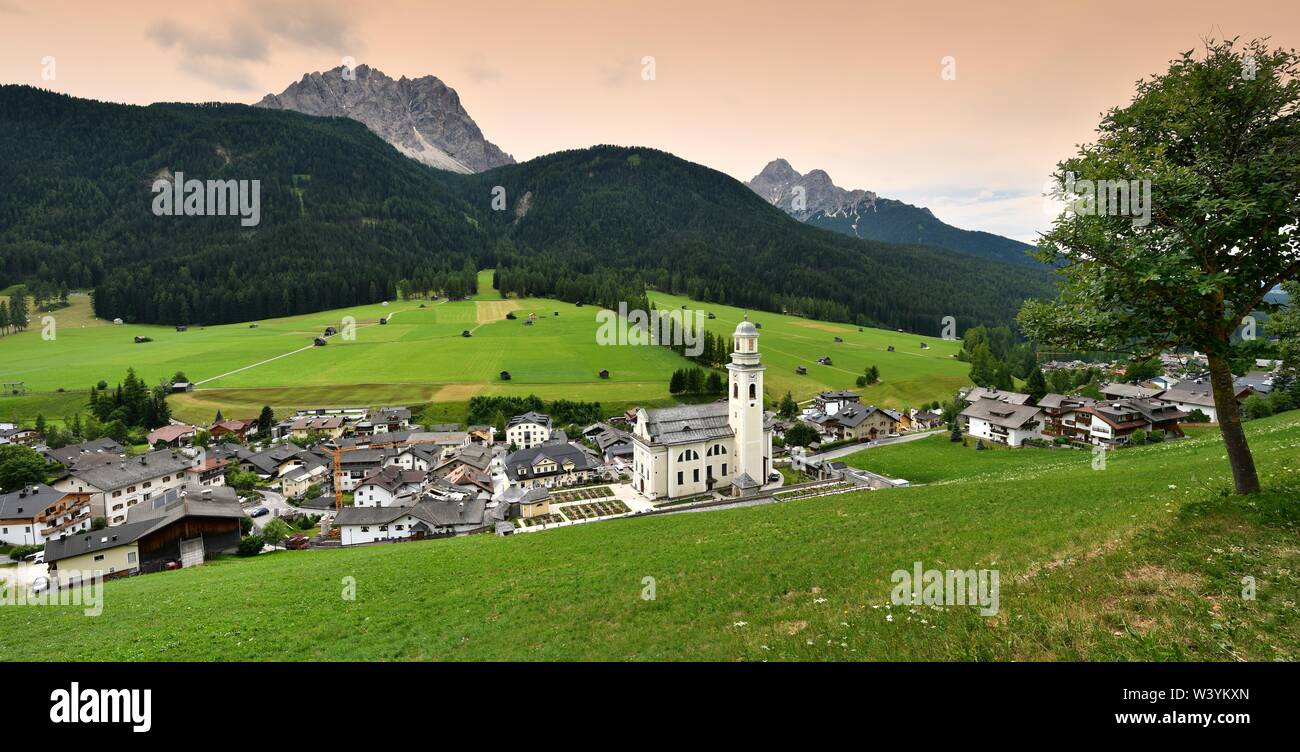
point(348, 476)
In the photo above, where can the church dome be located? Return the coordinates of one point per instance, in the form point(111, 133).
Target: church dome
point(746, 328)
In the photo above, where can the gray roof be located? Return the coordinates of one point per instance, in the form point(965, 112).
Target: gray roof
point(854, 415)
point(1117, 389)
point(1053, 401)
point(688, 423)
point(558, 451)
point(1194, 393)
point(1119, 412)
point(132, 470)
point(28, 501)
point(530, 417)
point(96, 540)
point(1011, 398)
point(146, 517)
point(437, 513)
point(1001, 413)
point(69, 454)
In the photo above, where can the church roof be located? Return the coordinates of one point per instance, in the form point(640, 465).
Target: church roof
point(688, 423)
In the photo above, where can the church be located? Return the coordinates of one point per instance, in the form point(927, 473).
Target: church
point(694, 449)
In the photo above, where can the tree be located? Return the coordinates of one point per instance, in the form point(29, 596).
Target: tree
point(275, 532)
point(801, 434)
point(954, 433)
point(20, 466)
point(250, 545)
point(983, 366)
point(788, 408)
point(1141, 370)
point(677, 384)
point(1036, 385)
point(1216, 136)
point(1256, 406)
point(872, 375)
point(266, 419)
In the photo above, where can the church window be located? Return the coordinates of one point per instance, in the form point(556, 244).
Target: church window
point(697, 475)
point(679, 477)
point(724, 468)
point(688, 455)
point(753, 390)
point(735, 391)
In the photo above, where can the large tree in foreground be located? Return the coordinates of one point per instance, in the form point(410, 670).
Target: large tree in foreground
point(1218, 137)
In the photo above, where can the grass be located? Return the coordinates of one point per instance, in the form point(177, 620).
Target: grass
point(909, 376)
point(420, 357)
point(1142, 560)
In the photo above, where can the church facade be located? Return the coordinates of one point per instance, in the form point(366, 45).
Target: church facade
point(694, 449)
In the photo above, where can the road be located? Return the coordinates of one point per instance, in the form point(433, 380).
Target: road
point(851, 448)
point(274, 502)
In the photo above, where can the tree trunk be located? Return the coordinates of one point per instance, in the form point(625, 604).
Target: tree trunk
point(1244, 476)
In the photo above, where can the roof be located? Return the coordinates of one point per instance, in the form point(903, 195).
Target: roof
point(838, 396)
point(1194, 393)
point(688, 423)
point(1053, 401)
point(113, 475)
point(439, 513)
point(560, 452)
point(1011, 398)
point(68, 454)
point(97, 540)
point(854, 415)
point(1001, 413)
point(28, 501)
point(146, 517)
point(392, 478)
point(170, 433)
point(530, 417)
point(1128, 390)
point(1126, 413)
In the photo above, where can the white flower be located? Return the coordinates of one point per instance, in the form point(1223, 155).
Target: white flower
point(740, 624)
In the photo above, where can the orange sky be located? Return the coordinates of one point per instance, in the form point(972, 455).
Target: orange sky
point(853, 88)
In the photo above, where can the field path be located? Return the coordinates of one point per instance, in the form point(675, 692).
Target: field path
point(291, 352)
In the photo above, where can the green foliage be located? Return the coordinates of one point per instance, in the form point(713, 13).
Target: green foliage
point(801, 434)
point(250, 545)
point(1036, 385)
point(1257, 406)
point(20, 466)
point(788, 408)
point(276, 531)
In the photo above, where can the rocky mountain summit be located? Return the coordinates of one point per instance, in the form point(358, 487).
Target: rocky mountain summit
point(422, 117)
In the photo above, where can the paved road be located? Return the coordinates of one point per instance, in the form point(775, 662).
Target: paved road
point(851, 448)
point(274, 502)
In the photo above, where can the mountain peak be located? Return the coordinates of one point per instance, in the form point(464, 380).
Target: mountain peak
point(422, 117)
point(804, 195)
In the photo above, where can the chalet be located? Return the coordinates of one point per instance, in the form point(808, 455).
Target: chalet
point(74, 453)
point(528, 430)
point(173, 435)
point(296, 482)
point(386, 487)
point(926, 420)
point(424, 519)
point(355, 465)
point(902, 420)
point(182, 525)
point(115, 487)
point(1006, 423)
point(24, 436)
point(414, 458)
point(1199, 395)
point(470, 478)
point(854, 421)
point(331, 426)
point(482, 434)
point(35, 513)
point(614, 443)
point(1067, 416)
point(1117, 391)
point(476, 456)
point(238, 429)
point(209, 472)
point(551, 465)
point(1115, 421)
point(832, 402)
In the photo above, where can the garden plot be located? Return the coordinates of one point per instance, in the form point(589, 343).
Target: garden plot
point(593, 509)
point(582, 494)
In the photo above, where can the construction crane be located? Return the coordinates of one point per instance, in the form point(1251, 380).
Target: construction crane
point(338, 470)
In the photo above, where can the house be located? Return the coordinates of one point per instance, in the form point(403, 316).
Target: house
point(24, 436)
point(296, 482)
point(477, 457)
point(181, 387)
point(73, 453)
point(184, 525)
point(355, 465)
point(975, 394)
point(1003, 422)
point(552, 465)
point(468, 477)
point(425, 518)
point(482, 434)
point(614, 443)
point(239, 428)
point(35, 513)
point(525, 502)
point(926, 420)
point(1115, 421)
point(1199, 395)
point(173, 435)
point(415, 458)
point(210, 471)
point(115, 487)
point(386, 486)
point(693, 449)
point(1259, 382)
point(902, 420)
point(1067, 416)
point(860, 422)
point(331, 426)
point(832, 402)
point(528, 430)
point(391, 419)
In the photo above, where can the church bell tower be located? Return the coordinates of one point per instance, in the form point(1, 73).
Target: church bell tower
point(745, 404)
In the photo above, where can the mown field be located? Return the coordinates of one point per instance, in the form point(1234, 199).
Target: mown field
point(420, 356)
point(1141, 561)
point(908, 376)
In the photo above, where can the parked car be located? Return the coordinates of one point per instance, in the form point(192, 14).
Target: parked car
point(773, 477)
point(40, 585)
point(297, 542)
point(258, 511)
point(36, 558)
point(893, 436)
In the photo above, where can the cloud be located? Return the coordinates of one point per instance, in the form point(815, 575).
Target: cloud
point(480, 72)
point(223, 53)
point(1014, 214)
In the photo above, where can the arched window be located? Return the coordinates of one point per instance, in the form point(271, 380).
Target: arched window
point(715, 450)
point(688, 455)
point(753, 391)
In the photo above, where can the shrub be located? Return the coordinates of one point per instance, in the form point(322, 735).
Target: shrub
point(1155, 438)
point(1256, 406)
point(1138, 438)
point(250, 545)
point(979, 444)
point(19, 552)
point(1198, 416)
point(1280, 401)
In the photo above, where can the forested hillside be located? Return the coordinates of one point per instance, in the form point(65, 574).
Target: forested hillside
point(346, 220)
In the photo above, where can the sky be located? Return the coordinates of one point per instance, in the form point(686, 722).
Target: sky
point(963, 107)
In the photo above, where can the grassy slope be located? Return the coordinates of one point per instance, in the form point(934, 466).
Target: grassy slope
point(420, 357)
point(1125, 563)
point(909, 375)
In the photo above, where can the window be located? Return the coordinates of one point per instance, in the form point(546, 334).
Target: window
point(130, 489)
point(100, 557)
point(735, 391)
point(716, 449)
point(724, 468)
point(365, 528)
point(696, 473)
point(148, 484)
point(130, 557)
point(166, 478)
point(383, 528)
point(753, 391)
point(399, 527)
point(679, 478)
point(688, 456)
point(116, 494)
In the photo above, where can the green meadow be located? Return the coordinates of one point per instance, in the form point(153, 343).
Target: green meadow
point(421, 357)
point(909, 376)
point(1143, 560)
